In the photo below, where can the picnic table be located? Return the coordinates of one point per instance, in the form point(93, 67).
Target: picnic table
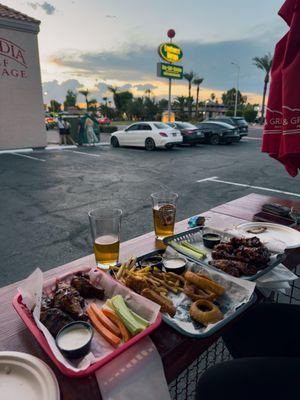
point(177, 351)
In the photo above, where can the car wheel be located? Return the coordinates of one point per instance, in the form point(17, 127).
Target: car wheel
point(169, 146)
point(149, 144)
point(114, 142)
point(214, 139)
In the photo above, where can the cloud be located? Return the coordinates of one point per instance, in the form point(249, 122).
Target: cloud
point(47, 7)
point(145, 86)
point(55, 90)
point(212, 61)
point(127, 86)
point(110, 16)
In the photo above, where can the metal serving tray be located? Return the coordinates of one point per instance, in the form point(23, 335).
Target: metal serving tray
point(215, 327)
point(194, 237)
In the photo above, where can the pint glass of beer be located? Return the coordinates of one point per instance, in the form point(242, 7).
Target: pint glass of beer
point(164, 210)
point(105, 228)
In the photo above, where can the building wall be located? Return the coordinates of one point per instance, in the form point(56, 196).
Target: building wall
point(21, 103)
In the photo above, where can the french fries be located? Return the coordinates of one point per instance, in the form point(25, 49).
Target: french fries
point(160, 282)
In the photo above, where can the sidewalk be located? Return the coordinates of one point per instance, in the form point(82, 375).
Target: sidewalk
point(53, 140)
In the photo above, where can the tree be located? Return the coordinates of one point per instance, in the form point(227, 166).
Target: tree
point(93, 103)
point(105, 100)
point(107, 111)
point(85, 93)
point(71, 98)
point(212, 97)
point(150, 108)
point(228, 98)
point(181, 102)
point(264, 63)
point(55, 106)
point(121, 99)
point(163, 104)
point(250, 113)
point(135, 108)
point(197, 82)
point(190, 76)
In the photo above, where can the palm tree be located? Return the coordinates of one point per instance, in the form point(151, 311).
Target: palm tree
point(85, 93)
point(105, 100)
point(180, 101)
point(197, 82)
point(114, 91)
point(190, 76)
point(264, 63)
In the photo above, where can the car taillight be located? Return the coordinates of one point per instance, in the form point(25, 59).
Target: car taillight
point(163, 134)
point(188, 132)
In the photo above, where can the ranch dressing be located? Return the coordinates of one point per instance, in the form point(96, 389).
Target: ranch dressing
point(74, 338)
point(174, 263)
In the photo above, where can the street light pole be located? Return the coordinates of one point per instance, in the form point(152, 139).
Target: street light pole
point(237, 86)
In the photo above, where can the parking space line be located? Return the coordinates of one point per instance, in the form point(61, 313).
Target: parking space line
point(251, 138)
point(32, 158)
point(214, 179)
point(82, 152)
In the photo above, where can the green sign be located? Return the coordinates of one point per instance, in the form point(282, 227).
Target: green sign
point(169, 71)
point(170, 52)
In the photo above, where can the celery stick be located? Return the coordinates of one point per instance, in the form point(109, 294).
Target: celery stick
point(187, 251)
point(140, 319)
point(193, 248)
point(125, 315)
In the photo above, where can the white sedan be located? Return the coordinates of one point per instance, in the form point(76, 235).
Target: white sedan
point(149, 135)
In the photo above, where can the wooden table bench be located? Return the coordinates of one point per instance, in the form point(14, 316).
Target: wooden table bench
point(176, 350)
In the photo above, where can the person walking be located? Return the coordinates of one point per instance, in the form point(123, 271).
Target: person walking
point(62, 130)
point(264, 345)
point(90, 134)
point(68, 132)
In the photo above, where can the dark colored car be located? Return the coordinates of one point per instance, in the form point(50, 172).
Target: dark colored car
point(239, 122)
point(219, 132)
point(190, 133)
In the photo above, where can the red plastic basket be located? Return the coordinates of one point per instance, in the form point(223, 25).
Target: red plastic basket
point(28, 320)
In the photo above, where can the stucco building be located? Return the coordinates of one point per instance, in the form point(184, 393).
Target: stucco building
point(21, 101)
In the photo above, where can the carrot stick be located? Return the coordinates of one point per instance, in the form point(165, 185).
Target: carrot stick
point(105, 321)
point(113, 317)
point(108, 335)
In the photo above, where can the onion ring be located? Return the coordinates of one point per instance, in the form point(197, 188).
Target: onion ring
point(205, 312)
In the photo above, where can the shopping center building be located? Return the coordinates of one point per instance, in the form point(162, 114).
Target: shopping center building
point(21, 102)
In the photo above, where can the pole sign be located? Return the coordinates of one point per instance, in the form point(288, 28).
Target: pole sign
point(170, 52)
point(169, 71)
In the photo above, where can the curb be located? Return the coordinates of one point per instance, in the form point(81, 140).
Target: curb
point(49, 148)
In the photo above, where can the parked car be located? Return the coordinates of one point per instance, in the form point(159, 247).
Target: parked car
point(150, 135)
point(190, 133)
point(219, 132)
point(50, 122)
point(104, 121)
point(238, 122)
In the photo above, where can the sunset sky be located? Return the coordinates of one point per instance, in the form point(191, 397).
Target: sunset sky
point(93, 43)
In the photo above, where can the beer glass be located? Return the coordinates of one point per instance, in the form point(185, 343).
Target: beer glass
point(164, 210)
point(105, 228)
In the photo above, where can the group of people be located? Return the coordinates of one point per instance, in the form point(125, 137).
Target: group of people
point(85, 131)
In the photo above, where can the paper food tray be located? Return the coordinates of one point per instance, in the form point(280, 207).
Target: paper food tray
point(27, 317)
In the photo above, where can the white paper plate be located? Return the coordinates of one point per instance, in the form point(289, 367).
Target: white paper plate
point(23, 376)
point(281, 233)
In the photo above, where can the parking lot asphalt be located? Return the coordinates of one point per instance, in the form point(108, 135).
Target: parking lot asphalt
point(45, 195)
